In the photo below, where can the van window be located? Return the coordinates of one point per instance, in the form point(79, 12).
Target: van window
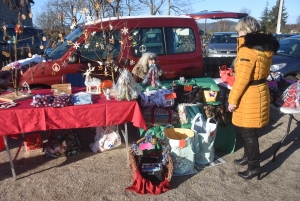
point(101, 45)
point(147, 40)
point(180, 40)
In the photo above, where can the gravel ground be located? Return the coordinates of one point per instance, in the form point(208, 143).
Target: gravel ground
point(104, 176)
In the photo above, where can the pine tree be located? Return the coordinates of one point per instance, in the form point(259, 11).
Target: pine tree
point(264, 23)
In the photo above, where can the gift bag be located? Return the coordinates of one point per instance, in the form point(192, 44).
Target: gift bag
point(160, 116)
point(106, 138)
point(62, 143)
point(187, 112)
point(225, 139)
point(210, 95)
point(206, 135)
point(182, 151)
point(157, 98)
point(227, 75)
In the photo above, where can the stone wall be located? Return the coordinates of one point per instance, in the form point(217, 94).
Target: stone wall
point(11, 17)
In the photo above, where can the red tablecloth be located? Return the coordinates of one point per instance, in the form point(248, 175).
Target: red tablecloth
point(25, 118)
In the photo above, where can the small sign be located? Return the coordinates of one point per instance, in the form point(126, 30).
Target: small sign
point(145, 146)
point(187, 88)
point(61, 88)
point(170, 96)
point(182, 143)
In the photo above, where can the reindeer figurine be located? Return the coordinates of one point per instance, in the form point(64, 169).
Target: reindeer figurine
point(91, 81)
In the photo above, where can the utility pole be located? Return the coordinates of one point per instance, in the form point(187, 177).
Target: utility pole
point(279, 18)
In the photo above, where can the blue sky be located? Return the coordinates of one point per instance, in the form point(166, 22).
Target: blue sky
point(255, 6)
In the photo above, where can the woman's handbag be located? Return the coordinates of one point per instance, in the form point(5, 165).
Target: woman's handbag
point(181, 141)
point(206, 135)
point(227, 75)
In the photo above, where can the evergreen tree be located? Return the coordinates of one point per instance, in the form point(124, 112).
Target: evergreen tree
point(273, 17)
point(264, 22)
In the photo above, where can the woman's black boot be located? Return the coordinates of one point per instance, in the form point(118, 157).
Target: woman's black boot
point(252, 147)
point(252, 171)
point(243, 160)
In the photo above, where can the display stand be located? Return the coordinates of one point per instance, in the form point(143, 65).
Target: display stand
point(291, 113)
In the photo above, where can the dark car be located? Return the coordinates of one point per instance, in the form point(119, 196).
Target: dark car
point(287, 59)
point(29, 41)
point(280, 37)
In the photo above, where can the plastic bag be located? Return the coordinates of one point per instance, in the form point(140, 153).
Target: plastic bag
point(126, 88)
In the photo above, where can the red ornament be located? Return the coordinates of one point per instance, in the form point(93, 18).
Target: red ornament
point(19, 29)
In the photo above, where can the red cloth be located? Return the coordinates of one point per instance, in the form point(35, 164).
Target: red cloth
point(144, 186)
point(2, 145)
point(25, 118)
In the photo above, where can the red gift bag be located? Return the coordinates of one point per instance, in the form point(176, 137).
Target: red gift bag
point(227, 75)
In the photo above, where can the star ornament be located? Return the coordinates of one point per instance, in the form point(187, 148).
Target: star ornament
point(97, 6)
point(64, 64)
point(124, 30)
point(76, 45)
point(132, 62)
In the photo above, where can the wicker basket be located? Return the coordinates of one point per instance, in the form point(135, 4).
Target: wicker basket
point(134, 165)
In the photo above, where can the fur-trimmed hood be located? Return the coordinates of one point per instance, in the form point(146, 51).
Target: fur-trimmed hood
point(260, 41)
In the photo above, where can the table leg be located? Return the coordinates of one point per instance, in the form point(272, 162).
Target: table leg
point(126, 142)
point(10, 158)
point(287, 132)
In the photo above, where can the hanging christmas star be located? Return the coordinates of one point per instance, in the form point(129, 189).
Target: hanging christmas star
point(64, 64)
point(89, 18)
point(97, 6)
point(93, 33)
point(124, 31)
point(76, 45)
point(100, 63)
point(132, 62)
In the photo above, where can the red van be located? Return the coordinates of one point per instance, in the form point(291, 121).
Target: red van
point(113, 43)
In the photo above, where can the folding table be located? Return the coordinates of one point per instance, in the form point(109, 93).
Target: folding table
point(24, 118)
point(290, 112)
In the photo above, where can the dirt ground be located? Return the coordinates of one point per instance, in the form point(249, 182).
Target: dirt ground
point(104, 176)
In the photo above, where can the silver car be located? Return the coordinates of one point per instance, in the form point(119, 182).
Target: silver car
point(222, 44)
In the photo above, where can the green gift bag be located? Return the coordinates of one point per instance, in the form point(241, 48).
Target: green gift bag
point(225, 139)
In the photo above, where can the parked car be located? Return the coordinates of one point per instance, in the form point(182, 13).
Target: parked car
point(287, 59)
point(122, 41)
point(280, 37)
point(29, 41)
point(222, 44)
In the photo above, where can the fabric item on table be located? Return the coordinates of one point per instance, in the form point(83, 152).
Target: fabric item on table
point(82, 98)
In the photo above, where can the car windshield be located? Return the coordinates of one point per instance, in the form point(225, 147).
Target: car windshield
point(224, 38)
point(63, 47)
point(289, 47)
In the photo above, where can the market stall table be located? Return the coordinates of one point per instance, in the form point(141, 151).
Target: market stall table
point(290, 112)
point(24, 118)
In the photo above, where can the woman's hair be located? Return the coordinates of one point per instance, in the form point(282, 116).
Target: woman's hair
point(248, 25)
point(143, 61)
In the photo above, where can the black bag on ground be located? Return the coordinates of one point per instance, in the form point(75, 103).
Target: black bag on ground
point(62, 143)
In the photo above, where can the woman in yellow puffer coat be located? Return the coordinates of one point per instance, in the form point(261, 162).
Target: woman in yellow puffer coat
point(249, 99)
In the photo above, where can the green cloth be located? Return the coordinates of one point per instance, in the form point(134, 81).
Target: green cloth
point(225, 139)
